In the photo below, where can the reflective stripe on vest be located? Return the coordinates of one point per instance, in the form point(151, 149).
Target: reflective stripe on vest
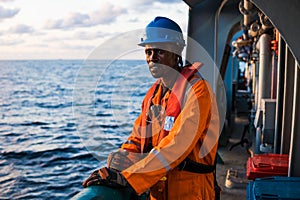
point(161, 158)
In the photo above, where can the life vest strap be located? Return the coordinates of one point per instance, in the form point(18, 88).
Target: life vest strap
point(195, 167)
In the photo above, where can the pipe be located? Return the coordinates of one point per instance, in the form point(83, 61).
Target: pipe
point(254, 29)
point(247, 16)
point(256, 70)
point(274, 65)
point(279, 95)
point(253, 77)
point(264, 81)
point(246, 9)
point(264, 90)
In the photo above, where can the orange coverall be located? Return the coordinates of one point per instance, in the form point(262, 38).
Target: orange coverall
point(193, 135)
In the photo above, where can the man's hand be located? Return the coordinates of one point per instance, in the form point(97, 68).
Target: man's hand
point(106, 176)
point(93, 179)
point(119, 160)
point(123, 159)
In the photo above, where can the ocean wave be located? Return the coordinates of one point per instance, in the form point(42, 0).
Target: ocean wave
point(43, 155)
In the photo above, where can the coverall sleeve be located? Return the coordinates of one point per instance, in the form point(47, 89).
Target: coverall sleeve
point(133, 143)
point(190, 126)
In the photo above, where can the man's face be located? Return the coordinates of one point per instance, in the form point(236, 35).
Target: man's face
point(160, 59)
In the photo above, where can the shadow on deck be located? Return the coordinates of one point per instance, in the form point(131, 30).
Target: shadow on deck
point(234, 160)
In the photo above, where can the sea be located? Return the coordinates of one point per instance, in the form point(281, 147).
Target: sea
point(60, 119)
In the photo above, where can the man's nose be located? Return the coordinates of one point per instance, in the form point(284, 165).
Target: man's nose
point(154, 56)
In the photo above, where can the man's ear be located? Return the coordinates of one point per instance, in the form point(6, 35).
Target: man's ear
point(178, 59)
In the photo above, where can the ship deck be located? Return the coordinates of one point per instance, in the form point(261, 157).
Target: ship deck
point(234, 160)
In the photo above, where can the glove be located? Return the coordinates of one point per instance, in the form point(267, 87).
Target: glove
point(119, 160)
point(106, 176)
point(122, 159)
point(92, 179)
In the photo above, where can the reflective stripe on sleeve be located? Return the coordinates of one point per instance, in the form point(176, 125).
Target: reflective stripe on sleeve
point(161, 159)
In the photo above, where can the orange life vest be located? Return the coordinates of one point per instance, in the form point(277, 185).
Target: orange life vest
point(173, 107)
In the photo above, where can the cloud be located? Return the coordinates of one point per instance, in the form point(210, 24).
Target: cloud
point(151, 2)
point(71, 21)
point(107, 14)
point(21, 29)
point(10, 42)
point(77, 47)
point(90, 35)
point(8, 13)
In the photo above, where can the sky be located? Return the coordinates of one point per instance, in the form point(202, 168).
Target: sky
point(72, 29)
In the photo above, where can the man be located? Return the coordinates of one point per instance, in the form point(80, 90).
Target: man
point(167, 151)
